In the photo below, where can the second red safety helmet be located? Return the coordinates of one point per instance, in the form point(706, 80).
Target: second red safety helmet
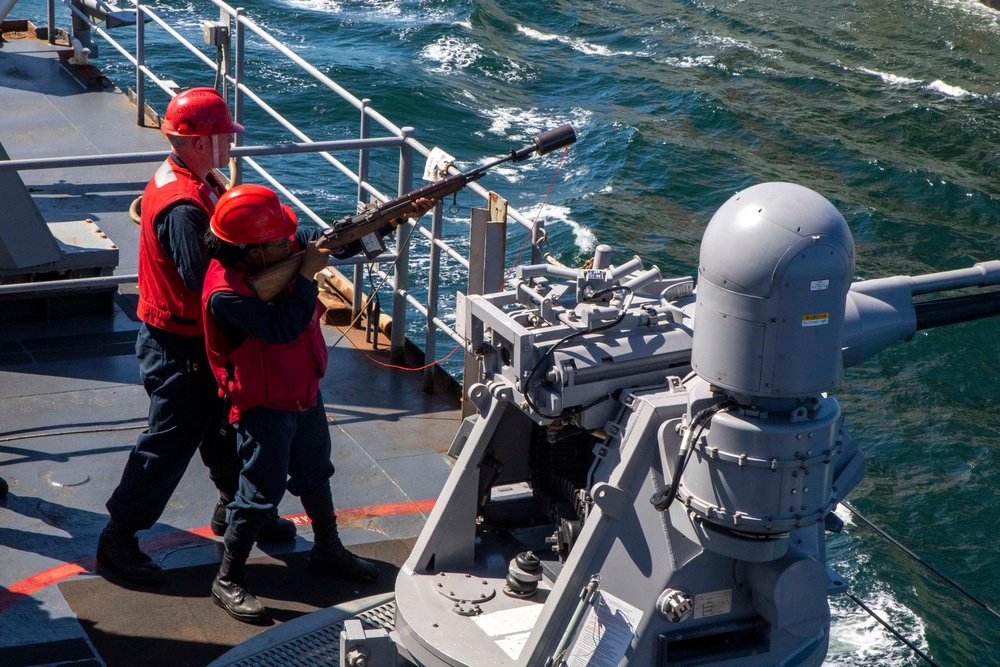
point(252, 214)
point(198, 112)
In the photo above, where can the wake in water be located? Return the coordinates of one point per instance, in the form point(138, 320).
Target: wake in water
point(855, 637)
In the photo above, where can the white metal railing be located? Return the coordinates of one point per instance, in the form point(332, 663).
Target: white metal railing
point(230, 73)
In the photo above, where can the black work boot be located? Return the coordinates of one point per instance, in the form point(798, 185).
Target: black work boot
point(118, 550)
point(276, 529)
point(229, 591)
point(329, 557)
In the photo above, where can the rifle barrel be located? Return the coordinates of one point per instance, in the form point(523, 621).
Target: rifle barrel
point(353, 227)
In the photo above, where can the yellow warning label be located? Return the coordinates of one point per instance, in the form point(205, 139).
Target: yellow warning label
point(816, 319)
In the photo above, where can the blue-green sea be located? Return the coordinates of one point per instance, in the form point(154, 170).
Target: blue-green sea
point(889, 108)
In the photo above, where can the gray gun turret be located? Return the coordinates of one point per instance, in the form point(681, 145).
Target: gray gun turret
point(654, 466)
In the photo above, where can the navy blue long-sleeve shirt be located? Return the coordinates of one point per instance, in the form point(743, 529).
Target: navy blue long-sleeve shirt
point(181, 232)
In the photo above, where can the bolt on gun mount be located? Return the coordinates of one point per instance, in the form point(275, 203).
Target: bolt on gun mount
point(271, 282)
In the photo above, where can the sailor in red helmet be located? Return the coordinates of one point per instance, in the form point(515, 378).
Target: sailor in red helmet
point(185, 412)
point(268, 358)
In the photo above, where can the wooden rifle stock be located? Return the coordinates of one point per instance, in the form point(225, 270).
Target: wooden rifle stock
point(273, 280)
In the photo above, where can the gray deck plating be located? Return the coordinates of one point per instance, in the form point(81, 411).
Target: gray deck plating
point(71, 403)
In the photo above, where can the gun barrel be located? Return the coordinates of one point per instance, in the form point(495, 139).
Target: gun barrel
point(982, 274)
point(942, 312)
point(881, 312)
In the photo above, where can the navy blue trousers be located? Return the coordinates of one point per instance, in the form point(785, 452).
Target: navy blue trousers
point(185, 415)
point(280, 450)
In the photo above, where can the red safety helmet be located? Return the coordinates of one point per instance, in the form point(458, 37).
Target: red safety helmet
point(198, 112)
point(252, 214)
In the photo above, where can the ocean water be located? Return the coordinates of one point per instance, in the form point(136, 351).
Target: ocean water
point(889, 108)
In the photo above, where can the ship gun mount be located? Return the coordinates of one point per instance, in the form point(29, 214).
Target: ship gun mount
point(654, 465)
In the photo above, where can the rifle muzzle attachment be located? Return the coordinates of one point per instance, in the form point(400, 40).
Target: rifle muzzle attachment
point(547, 142)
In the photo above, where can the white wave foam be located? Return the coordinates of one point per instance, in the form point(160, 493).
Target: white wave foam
point(857, 638)
point(973, 7)
point(581, 45)
point(689, 62)
point(891, 79)
point(451, 54)
point(325, 6)
point(937, 85)
point(583, 237)
point(946, 89)
point(525, 124)
point(724, 42)
point(397, 12)
point(382, 8)
point(529, 122)
point(845, 515)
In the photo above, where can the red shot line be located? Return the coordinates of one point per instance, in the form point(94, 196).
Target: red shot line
point(31, 585)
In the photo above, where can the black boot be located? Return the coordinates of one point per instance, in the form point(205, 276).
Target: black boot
point(329, 557)
point(229, 591)
point(118, 550)
point(276, 529)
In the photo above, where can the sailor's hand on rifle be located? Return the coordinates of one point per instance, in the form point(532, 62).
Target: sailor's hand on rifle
point(313, 260)
point(420, 206)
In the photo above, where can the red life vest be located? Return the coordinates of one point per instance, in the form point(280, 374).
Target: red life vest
point(280, 376)
point(164, 300)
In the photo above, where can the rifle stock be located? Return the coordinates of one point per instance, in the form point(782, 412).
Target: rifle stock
point(271, 282)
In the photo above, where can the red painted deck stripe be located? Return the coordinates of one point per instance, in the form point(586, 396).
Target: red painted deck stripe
point(31, 585)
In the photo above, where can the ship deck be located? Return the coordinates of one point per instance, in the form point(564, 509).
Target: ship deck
point(71, 405)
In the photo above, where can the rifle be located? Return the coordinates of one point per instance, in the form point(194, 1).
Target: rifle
point(272, 281)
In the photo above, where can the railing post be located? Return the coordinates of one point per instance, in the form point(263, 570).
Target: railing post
point(359, 273)
point(226, 21)
point(52, 21)
point(140, 62)
point(537, 234)
point(487, 254)
point(430, 342)
point(237, 170)
point(403, 232)
point(80, 30)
